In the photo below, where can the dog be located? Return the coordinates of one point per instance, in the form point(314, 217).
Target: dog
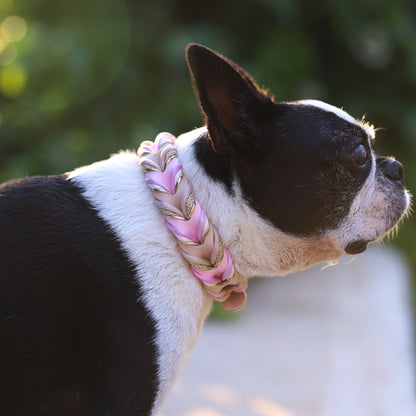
point(99, 310)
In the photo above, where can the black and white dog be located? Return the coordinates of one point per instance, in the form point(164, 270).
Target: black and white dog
point(98, 310)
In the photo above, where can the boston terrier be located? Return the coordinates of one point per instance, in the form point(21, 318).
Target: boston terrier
point(99, 310)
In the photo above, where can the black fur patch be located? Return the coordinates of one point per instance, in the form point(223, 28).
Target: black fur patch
point(302, 179)
point(74, 337)
point(216, 166)
point(305, 180)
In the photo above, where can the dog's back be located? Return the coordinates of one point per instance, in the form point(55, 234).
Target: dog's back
point(75, 340)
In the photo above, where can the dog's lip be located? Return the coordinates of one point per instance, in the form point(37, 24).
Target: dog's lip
point(356, 247)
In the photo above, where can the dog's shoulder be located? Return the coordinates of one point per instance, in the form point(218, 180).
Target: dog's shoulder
point(117, 190)
point(71, 296)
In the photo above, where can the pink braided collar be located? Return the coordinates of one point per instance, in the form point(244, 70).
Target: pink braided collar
point(197, 239)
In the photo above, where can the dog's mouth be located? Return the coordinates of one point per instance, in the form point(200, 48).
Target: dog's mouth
point(356, 247)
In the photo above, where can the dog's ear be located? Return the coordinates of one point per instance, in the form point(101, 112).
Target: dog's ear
point(233, 105)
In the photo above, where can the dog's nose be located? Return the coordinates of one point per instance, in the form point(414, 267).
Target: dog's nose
point(391, 169)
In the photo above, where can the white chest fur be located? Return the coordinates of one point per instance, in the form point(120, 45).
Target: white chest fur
point(172, 295)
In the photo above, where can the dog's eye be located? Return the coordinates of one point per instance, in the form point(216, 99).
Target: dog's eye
point(359, 154)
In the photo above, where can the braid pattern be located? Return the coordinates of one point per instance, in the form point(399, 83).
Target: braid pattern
point(197, 239)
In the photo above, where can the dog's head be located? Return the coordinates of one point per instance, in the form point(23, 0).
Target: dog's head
point(307, 167)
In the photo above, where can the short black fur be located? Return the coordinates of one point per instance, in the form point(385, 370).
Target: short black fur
point(217, 166)
point(304, 181)
point(75, 339)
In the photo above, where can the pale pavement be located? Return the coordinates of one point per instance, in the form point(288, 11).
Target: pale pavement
point(332, 342)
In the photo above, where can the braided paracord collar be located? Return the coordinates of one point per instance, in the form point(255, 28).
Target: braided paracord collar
point(198, 240)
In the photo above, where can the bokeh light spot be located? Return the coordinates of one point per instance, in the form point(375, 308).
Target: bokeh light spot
point(220, 393)
point(203, 412)
point(8, 55)
point(265, 407)
point(13, 28)
point(13, 80)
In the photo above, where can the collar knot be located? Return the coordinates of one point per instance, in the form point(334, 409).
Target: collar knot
point(198, 240)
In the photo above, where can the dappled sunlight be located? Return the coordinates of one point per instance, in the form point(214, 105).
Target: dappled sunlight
point(204, 412)
point(264, 407)
point(220, 393)
point(230, 399)
point(220, 399)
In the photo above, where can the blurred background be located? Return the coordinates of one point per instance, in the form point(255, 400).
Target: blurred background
point(82, 79)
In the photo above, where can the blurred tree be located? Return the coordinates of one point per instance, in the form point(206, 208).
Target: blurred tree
point(82, 79)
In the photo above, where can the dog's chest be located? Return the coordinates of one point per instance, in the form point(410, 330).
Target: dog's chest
point(171, 294)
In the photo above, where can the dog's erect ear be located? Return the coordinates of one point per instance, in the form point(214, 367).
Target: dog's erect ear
point(232, 103)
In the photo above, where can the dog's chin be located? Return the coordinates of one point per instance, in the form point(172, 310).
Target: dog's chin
point(356, 247)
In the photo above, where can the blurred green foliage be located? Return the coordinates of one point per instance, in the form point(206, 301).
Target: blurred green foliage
point(82, 79)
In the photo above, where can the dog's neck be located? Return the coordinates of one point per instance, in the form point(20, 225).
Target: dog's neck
point(197, 239)
point(257, 247)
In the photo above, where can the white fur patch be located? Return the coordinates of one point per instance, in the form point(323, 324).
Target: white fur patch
point(116, 188)
point(368, 128)
point(378, 206)
point(330, 108)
